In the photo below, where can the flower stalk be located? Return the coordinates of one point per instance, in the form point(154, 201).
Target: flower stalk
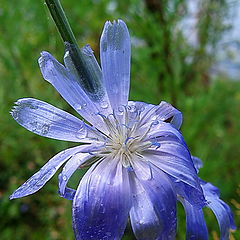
point(61, 21)
point(87, 71)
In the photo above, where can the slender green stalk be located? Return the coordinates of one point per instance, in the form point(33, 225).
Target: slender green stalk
point(61, 21)
point(87, 69)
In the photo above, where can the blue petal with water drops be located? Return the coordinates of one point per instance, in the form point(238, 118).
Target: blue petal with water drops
point(102, 202)
point(196, 228)
point(39, 179)
point(48, 121)
point(115, 54)
point(221, 210)
point(69, 88)
point(160, 202)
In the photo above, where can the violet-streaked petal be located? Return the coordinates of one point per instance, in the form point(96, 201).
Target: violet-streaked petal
point(161, 193)
point(102, 202)
point(163, 112)
point(222, 217)
point(144, 220)
point(221, 210)
point(159, 129)
point(39, 179)
point(115, 54)
point(173, 158)
point(166, 112)
point(69, 194)
point(46, 120)
point(197, 163)
point(97, 92)
point(69, 88)
point(196, 228)
point(70, 167)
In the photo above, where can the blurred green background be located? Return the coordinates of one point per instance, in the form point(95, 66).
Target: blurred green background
point(165, 66)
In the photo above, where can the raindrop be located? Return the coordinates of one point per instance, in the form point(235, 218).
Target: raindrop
point(132, 108)
point(120, 110)
point(84, 104)
point(33, 126)
point(64, 178)
point(45, 129)
point(104, 105)
point(78, 106)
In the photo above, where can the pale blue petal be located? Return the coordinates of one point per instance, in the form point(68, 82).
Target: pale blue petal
point(69, 194)
point(160, 129)
point(196, 228)
point(95, 89)
point(166, 112)
point(70, 167)
point(144, 220)
point(197, 163)
point(39, 179)
point(163, 112)
point(70, 89)
point(115, 54)
point(102, 202)
point(221, 210)
point(173, 157)
point(162, 196)
point(48, 121)
point(222, 217)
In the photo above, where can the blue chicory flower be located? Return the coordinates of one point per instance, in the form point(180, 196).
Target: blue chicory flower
point(139, 159)
point(195, 222)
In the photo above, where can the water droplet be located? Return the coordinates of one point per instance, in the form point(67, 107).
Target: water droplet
point(120, 110)
point(104, 105)
point(84, 104)
point(45, 129)
point(132, 108)
point(34, 126)
point(64, 178)
point(78, 107)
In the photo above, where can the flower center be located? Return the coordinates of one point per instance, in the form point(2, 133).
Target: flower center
point(126, 139)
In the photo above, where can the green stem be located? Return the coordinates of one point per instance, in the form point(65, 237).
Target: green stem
point(61, 21)
point(87, 69)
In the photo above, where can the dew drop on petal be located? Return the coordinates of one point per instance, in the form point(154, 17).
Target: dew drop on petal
point(104, 105)
point(78, 106)
point(45, 129)
point(64, 178)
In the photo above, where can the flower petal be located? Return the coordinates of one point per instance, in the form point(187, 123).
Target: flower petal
point(115, 54)
point(39, 179)
point(197, 163)
point(163, 112)
point(222, 217)
point(70, 89)
point(144, 220)
point(173, 157)
point(94, 88)
point(161, 199)
point(102, 202)
point(221, 210)
point(48, 121)
point(70, 167)
point(196, 228)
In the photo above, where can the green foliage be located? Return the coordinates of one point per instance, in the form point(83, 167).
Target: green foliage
point(160, 70)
